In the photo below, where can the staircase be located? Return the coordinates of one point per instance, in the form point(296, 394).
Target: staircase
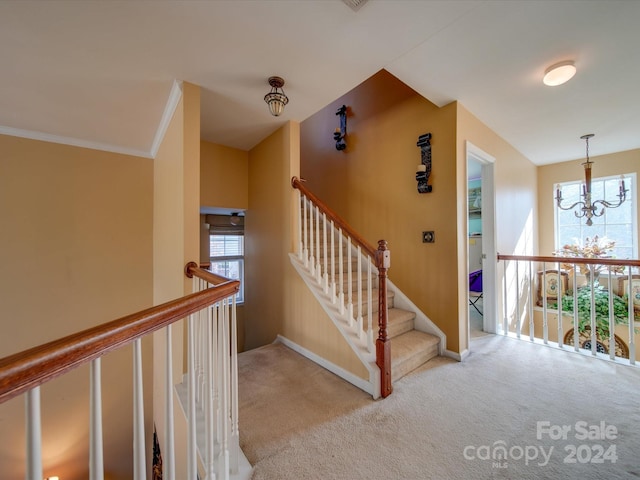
point(342, 275)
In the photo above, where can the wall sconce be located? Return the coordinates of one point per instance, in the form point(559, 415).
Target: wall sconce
point(276, 99)
point(341, 132)
point(424, 169)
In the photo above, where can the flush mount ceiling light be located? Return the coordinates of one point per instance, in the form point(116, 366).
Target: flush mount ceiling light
point(559, 73)
point(276, 99)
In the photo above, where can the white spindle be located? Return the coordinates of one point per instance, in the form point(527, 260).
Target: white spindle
point(349, 284)
point(209, 412)
point(223, 458)
point(305, 242)
point(312, 260)
point(341, 275)
point(531, 326)
point(325, 275)
point(612, 336)
point(168, 455)
point(576, 335)
point(594, 340)
point(505, 318)
point(545, 319)
point(235, 431)
point(318, 267)
point(96, 462)
point(300, 238)
point(333, 263)
point(559, 297)
point(192, 448)
point(360, 273)
point(139, 458)
point(518, 317)
point(369, 305)
point(631, 313)
point(33, 434)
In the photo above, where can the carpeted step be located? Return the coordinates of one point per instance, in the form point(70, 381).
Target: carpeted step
point(399, 322)
point(410, 350)
point(374, 303)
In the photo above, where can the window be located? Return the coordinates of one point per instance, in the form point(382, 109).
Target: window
point(617, 224)
point(226, 253)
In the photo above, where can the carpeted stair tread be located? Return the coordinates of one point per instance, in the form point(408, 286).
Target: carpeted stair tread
point(410, 350)
point(399, 321)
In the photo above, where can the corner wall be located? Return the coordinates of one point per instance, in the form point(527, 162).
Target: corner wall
point(75, 252)
point(372, 185)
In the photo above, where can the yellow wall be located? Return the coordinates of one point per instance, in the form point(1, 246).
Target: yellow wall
point(75, 251)
point(223, 177)
point(548, 175)
point(372, 185)
point(176, 241)
point(515, 189)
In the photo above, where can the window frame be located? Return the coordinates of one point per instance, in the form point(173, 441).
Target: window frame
point(230, 258)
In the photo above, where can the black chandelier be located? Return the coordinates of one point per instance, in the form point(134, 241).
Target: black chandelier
point(586, 207)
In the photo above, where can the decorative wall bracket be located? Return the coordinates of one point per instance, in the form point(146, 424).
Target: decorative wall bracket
point(341, 132)
point(424, 169)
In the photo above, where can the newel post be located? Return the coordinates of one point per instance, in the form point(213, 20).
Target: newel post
point(383, 344)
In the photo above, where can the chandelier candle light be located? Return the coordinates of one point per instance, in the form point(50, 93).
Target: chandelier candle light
point(586, 207)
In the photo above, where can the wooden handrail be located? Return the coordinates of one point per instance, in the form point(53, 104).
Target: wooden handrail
point(380, 257)
point(339, 221)
point(577, 260)
point(28, 369)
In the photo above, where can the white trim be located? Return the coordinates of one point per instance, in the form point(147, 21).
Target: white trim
point(489, 249)
point(460, 357)
point(361, 383)
point(74, 142)
point(422, 323)
point(172, 102)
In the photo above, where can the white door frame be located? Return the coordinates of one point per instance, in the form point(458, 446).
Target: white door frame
point(489, 251)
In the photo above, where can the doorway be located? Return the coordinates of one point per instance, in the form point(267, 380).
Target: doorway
point(481, 251)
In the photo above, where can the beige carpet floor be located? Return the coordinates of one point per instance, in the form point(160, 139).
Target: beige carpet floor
point(446, 420)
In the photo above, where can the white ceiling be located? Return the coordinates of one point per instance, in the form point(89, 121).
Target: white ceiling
point(100, 72)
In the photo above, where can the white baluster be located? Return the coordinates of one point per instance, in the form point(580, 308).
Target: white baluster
point(594, 340)
point(612, 336)
point(300, 238)
point(325, 275)
point(168, 457)
point(349, 284)
point(312, 260)
point(518, 318)
point(96, 462)
point(192, 449)
point(235, 431)
point(139, 458)
point(341, 275)
point(505, 318)
point(304, 233)
point(318, 267)
point(559, 301)
point(531, 327)
point(369, 306)
point(33, 434)
point(209, 397)
point(576, 336)
point(632, 336)
point(223, 457)
point(360, 273)
point(333, 263)
point(545, 319)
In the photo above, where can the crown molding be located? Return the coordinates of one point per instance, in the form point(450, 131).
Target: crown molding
point(74, 142)
point(172, 102)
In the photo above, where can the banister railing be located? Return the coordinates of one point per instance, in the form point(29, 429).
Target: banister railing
point(25, 371)
point(591, 304)
point(315, 220)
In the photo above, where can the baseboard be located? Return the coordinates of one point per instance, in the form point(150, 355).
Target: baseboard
point(361, 383)
point(457, 356)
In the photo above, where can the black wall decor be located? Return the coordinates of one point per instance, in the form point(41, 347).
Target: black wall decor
point(424, 169)
point(341, 132)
